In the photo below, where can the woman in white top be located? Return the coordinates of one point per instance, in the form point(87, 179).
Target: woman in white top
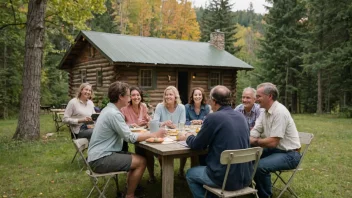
point(170, 113)
point(79, 110)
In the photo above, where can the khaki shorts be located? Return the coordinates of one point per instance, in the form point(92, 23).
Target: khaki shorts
point(112, 163)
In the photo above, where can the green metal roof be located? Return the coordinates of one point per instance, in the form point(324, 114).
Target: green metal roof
point(137, 49)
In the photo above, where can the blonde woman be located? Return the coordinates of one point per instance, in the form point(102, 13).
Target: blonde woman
point(79, 110)
point(170, 112)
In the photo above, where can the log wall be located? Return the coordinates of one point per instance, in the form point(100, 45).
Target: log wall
point(130, 73)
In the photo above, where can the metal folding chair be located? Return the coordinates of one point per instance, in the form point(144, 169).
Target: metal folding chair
point(74, 137)
point(229, 157)
point(81, 145)
point(305, 139)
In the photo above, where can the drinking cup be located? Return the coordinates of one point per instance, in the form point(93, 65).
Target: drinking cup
point(154, 126)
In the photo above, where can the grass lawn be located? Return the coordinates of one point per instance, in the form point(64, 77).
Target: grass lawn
point(44, 169)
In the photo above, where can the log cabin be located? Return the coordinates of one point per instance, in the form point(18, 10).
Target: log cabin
point(150, 63)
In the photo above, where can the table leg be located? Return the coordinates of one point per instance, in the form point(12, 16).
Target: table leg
point(167, 177)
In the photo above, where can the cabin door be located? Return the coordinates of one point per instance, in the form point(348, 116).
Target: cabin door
point(182, 86)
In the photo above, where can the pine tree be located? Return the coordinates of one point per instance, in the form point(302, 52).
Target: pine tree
point(218, 16)
point(281, 52)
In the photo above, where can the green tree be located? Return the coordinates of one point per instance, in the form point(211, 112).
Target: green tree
point(59, 12)
point(218, 15)
point(281, 49)
point(328, 51)
point(28, 127)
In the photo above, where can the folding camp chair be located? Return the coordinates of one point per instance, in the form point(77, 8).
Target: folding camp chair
point(82, 144)
point(229, 157)
point(74, 137)
point(305, 139)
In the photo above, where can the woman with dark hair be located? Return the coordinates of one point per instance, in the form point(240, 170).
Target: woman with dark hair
point(197, 109)
point(79, 110)
point(136, 113)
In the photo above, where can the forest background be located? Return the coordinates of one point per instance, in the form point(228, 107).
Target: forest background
point(302, 46)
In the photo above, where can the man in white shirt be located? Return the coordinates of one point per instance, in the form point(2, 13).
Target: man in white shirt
point(276, 132)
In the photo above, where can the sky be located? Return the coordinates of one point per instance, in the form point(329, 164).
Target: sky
point(239, 4)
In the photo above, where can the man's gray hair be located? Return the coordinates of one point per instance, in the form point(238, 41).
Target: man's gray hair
point(270, 89)
point(250, 89)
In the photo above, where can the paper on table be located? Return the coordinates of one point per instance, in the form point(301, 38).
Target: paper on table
point(183, 143)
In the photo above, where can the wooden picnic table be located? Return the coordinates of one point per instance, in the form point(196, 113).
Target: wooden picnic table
point(46, 109)
point(57, 118)
point(168, 153)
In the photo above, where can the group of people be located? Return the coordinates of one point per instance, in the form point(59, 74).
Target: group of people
point(267, 124)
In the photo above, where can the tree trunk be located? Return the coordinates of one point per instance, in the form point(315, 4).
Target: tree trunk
point(28, 127)
point(286, 88)
point(319, 104)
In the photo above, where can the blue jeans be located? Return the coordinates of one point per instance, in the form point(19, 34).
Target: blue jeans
point(272, 160)
point(196, 178)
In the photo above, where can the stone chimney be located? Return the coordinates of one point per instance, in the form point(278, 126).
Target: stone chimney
point(217, 39)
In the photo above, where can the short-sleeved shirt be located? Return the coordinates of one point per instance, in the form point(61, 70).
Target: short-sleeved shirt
point(109, 133)
point(75, 110)
point(192, 115)
point(252, 116)
point(277, 122)
point(131, 117)
point(162, 114)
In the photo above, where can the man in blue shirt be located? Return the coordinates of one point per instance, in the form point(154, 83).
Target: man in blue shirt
point(249, 108)
point(105, 148)
point(224, 129)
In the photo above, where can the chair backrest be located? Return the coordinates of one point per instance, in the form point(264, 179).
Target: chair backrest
point(73, 135)
point(229, 157)
point(81, 144)
point(305, 140)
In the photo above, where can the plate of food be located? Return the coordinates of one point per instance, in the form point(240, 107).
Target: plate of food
point(138, 130)
point(155, 140)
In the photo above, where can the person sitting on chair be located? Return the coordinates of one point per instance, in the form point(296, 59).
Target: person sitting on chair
point(197, 109)
point(276, 132)
point(136, 115)
point(105, 148)
point(224, 129)
point(249, 108)
point(79, 110)
point(170, 113)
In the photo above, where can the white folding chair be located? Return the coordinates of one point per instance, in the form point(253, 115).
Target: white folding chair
point(82, 144)
point(229, 157)
point(305, 139)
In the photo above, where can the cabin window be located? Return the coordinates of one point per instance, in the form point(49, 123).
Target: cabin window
point(147, 78)
point(83, 75)
point(99, 77)
point(214, 79)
